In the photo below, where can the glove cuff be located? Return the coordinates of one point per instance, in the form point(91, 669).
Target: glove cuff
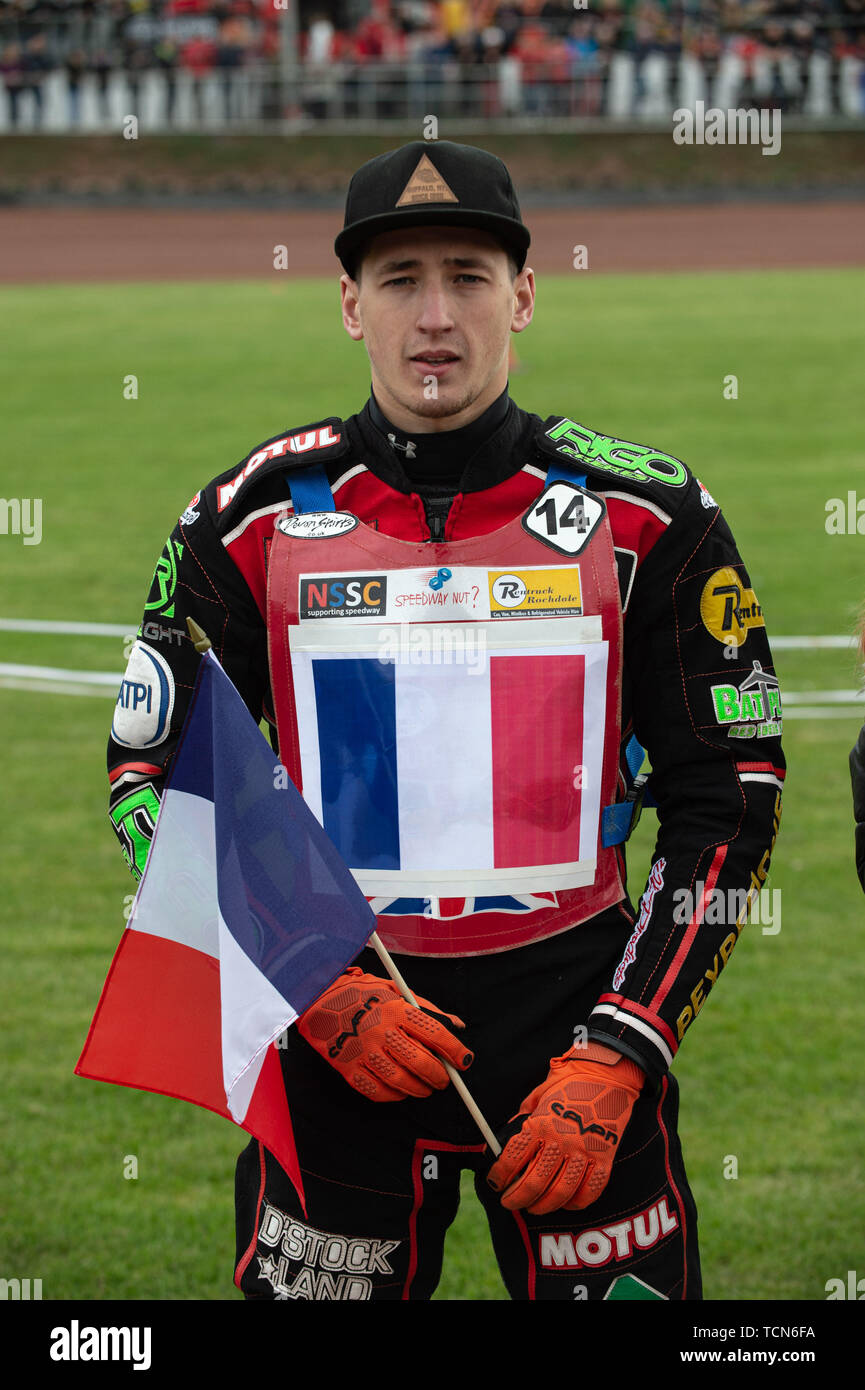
point(628, 1072)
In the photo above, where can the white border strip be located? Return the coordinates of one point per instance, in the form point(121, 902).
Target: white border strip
point(55, 673)
point(326, 636)
point(821, 697)
point(69, 629)
point(793, 644)
point(73, 629)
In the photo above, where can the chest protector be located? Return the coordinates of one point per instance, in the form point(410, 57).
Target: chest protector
point(451, 713)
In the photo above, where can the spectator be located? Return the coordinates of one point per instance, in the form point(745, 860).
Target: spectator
point(36, 63)
point(563, 53)
point(508, 18)
point(319, 42)
point(12, 68)
point(455, 17)
point(198, 58)
point(102, 67)
point(532, 48)
point(585, 65)
point(776, 49)
point(136, 59)
point(234, 39)
point(802, 45)
point(76, 66)
point(167, 56)
point(492, 42)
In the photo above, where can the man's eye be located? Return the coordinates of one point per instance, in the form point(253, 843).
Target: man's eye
point(399, 280)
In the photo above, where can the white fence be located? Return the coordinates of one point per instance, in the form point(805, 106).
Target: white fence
point(247, 98)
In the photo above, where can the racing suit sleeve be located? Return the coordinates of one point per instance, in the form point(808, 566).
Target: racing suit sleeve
point(700, 688)
point(194, 577)
point(857, 777)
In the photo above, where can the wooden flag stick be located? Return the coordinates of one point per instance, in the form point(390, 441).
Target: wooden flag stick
point(462, 1090)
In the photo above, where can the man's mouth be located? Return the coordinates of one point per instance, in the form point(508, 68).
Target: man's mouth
point(435, 362)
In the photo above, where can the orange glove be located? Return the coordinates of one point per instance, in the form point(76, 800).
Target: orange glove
point(562, 1154)
point(378, 1041)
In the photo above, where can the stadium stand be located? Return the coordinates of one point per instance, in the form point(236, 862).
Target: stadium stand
point(84, 65)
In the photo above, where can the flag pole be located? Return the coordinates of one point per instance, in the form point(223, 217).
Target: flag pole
point(202, 643)
point(461, 1088)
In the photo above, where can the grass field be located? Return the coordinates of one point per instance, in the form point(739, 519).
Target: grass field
point(772, 1074)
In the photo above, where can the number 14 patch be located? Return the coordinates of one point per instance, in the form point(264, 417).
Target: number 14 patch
point(564, 517)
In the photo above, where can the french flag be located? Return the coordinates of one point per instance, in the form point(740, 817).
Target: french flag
point(453, 778)
point(244, 916)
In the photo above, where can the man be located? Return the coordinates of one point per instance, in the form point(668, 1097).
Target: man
point(460, 620)
point(857, 778)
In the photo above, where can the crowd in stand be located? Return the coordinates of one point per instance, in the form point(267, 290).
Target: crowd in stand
point(544, 41)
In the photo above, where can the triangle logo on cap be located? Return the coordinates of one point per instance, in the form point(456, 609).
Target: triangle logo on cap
point(426, 185)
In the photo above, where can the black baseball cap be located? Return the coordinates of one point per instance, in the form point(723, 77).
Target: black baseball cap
point(432, 183)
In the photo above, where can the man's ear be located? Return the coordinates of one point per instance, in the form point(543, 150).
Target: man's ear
point(350, 295)
point(524, 300)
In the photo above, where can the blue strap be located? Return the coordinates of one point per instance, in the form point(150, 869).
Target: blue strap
point(616, 823)
point(634, 755)
point(618, 820)
point(561, 473)
point(310, 490)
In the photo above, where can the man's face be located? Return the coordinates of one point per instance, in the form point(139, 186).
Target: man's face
point(435, 307)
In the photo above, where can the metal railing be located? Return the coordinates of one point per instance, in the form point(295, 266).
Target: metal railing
point(818, 89)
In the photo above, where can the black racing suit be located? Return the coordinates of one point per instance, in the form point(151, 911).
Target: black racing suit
point(700, 695)
point(857, 777)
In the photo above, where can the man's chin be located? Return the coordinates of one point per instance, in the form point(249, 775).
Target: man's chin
point(442, 406)
point(440, 409)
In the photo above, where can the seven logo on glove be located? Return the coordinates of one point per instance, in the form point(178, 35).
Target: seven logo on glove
point(562, 1154)
point(383, 1046)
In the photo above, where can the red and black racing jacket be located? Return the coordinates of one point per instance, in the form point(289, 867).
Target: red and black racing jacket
point(699, 691)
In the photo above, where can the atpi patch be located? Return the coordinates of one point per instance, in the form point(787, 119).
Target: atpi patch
point(145, 700)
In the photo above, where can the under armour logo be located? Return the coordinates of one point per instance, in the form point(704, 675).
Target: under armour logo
point(408, 448)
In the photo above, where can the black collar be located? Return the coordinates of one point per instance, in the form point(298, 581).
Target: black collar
point(468, 459)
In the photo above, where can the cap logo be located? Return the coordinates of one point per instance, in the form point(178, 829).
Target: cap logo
point(426, 185)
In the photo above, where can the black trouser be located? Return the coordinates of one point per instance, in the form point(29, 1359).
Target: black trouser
point(382, 1180)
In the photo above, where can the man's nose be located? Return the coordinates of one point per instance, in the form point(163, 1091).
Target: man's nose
point(434, 310)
